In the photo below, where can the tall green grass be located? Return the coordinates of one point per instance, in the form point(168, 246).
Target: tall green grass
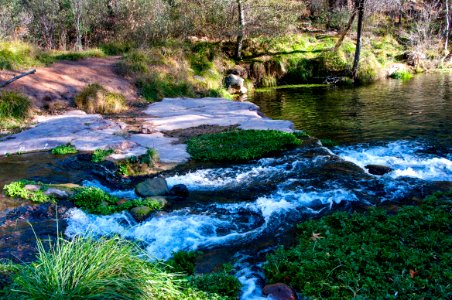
point(14, 109)
point(84, 268)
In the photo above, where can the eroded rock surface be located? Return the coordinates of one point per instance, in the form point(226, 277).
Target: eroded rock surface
point(88, 132)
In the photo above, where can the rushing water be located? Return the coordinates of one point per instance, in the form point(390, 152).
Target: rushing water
point(243, 211)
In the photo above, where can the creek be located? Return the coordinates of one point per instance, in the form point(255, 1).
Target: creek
point(240, 212)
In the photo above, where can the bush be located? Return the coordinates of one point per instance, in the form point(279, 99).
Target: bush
point(14, 105)
point(240, 145)
point(372, 255)
point(17, 189)
point(99, 155)
point(183, 262)
point(64, 150)
point(105, 269)
point(96, 99)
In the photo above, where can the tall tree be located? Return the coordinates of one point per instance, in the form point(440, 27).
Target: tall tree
point(359, 4)
point(241, 30)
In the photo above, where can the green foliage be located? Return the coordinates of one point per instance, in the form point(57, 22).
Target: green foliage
point(220, 283)
point(183, 262)
point(116, 48)
point(402, 75)
point(17, 189)
point(158, 86)
point(84, 268)
point(328, 143)
point(71, 55)
point(240, 145)
point(202, 57)
point(97, 201)
point(372, 255)
point(96, 99)
point(14, 105)
point(64, 150)
point(138, 165)
point(99, 155)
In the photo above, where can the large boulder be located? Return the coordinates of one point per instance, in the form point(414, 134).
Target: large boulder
point(378, 169)
point(235, 84)
point(279, 291)
point(152, 187)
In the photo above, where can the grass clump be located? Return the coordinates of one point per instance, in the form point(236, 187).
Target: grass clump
point(64, 150)
point(96, 99)
point(219, 283)
point(402, 75)
point(99, 155)
point(14, 105)
point(84, 268)
point(240, 145)
point(97, 201)
point(373, 255)
point(17, 189)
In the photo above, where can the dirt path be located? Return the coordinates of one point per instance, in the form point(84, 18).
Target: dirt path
point(54, 87)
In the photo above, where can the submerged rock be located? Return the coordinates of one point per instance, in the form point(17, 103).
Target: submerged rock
point(152, 187)
point(179, 190)
point(378, 169)
point(141, 213)
point(279, 291)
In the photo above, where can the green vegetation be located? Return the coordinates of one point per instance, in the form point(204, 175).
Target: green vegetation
point(371, 255)
point(96, 99)
point(97, 201)
point(402, 75)
point(141, 165)
point(64, 150)
point(99, 155)
point(221, 283)
point(17, 189)
point(176, 69)
point(14, 109)
point(240, 145)
point(328, 143)
point(84, 268)
point(20, 55)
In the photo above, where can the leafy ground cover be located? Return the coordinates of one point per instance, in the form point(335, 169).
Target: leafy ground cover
point(17, 189)
point(240, 145)
point(372, 255)
point(99, 155)
point(64, 150)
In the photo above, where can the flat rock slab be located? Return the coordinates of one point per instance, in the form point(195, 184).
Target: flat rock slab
point(90, 132)
point(182, 113)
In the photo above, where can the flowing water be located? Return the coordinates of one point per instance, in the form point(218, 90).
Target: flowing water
point(244, 211)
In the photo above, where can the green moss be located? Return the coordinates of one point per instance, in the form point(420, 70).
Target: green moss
point(64, 150)
point(99, 155)
point(402, 75)
point(17, 190)
point(371, 255)
point(240, 145)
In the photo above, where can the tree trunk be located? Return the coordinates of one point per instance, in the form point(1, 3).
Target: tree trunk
point(241, 32)
point(446, 43)
point(345, 31)
point(78, 42)
point(360, 8)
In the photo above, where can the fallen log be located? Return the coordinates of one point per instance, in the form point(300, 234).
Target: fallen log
point(3, 84)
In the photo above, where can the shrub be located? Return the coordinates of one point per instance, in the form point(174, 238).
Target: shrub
point(14, 105)
point(99, 155)
point(84, 268)
point(116, 48)
point(138, 165)
point(17, 189)
point(240, 145)
point(183, 262)
point(64, 150)
point(96, 99)
point(371, 255)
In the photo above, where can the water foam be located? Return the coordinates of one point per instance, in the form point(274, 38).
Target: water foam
point(406, 158)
